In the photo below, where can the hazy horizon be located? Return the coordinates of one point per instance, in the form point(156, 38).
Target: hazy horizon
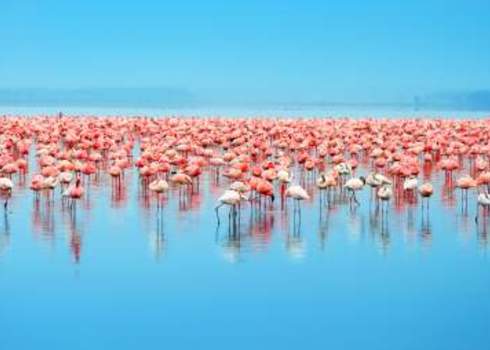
point(255, 52)
point(182, 98)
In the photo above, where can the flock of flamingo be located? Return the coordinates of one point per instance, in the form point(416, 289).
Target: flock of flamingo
point(260, 159)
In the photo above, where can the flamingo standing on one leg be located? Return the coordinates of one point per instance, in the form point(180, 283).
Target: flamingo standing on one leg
point(385, 193)
point(426, 190)
point(158, 186)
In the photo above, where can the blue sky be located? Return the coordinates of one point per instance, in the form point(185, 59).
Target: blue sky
point(298, 51)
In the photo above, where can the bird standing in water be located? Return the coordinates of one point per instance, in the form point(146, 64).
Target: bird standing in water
point(410, 184)
point(353, 185)
point(385, 193)
point(158, 186)
point(426, 191)
point(6, 187)
point(297, 193)
point(231, 198)
point(74, 192)
point(483, 201)
point(326, 182)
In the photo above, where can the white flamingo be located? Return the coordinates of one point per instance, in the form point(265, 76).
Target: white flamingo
point(411, 184)
point(483, 200)
point(297, 193)
point(6, 186)
point(354, 185)
point(385, 193)
point(231, 198)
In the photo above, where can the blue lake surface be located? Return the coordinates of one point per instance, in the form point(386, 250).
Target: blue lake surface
point(120, 276)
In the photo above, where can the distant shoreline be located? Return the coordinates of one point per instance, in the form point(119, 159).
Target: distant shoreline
point(310, 111)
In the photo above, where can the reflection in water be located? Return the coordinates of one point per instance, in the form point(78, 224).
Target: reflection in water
point(232, 241)
point(410, 231)
point(260, 228)
point(75, 239)
point(483, 237)
point(118, 193)
point(157, 237)
point(323, 227)
point(425, 230)
point(482, 227)
point(384, 239)
point(354, 224)
point(294, 243)
point(4, 234)
point(43, 220)
point(232, 246)
point(379, 228)
point(258, 224)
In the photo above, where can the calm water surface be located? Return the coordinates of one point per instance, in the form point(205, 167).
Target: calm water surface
point(118, 275)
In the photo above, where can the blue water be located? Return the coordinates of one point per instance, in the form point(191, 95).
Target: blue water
point(120, 276)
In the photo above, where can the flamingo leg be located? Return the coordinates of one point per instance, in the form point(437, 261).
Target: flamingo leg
point(477, 212)
point(217, 212)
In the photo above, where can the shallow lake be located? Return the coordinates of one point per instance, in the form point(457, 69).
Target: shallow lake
point(120, 274)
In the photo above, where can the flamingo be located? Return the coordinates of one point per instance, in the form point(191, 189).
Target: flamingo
point(182, 181)
point(65, 177)
point(158, 186)
point(264, 188)
point(344, 170)
point(426, 190)
point(354, 185)
point(483, 201)
point(298, 194)
point(256, 152)
point(385, 193)
point(50, 183)
point(375, 180)
point(115, 172)
point(37, 184)
point(465, 183)
point(74, 192)
point(6, 186)
point(231, 198)
point(240, 186)
point(283, 176)
point(410, 185)
point(325, 182)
